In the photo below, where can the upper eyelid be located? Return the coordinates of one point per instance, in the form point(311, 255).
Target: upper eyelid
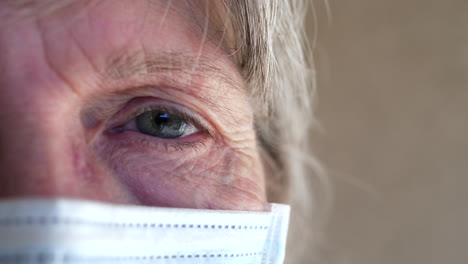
point(211, 107)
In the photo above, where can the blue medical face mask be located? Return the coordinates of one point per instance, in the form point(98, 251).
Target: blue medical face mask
point(74, 231)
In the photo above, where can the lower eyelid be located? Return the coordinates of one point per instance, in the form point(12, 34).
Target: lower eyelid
point(130, 139)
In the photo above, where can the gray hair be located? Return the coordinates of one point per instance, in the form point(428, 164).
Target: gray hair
point(276, 63)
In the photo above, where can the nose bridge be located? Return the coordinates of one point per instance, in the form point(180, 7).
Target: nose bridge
point(34, 155)
point(43, 153)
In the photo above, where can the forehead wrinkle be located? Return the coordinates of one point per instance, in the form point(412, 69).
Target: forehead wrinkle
point(130, 65)
point(34, 9)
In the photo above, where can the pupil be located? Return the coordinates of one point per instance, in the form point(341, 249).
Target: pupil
point(161, 119)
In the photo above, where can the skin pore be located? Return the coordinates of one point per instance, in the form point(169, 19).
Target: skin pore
point(74, 78)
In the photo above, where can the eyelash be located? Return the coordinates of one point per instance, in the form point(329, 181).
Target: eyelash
point(176, 144)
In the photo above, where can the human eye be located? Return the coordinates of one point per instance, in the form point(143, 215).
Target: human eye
point(162, 122)
point(156, 121)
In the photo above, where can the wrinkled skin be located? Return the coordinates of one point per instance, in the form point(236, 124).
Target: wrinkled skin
point(73, 76)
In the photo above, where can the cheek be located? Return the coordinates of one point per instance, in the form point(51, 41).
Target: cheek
point(211, 177)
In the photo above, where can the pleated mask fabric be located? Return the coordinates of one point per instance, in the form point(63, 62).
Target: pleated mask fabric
point(63, 231)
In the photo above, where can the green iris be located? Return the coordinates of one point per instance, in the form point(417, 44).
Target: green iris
point(161, 124)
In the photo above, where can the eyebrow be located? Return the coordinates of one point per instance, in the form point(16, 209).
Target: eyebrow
point(130, 65)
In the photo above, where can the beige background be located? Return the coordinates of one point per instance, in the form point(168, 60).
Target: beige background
point(393, 101)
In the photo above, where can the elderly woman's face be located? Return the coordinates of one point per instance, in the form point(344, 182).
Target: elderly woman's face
point(124, 101)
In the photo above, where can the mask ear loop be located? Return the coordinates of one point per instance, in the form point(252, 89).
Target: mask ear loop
point(275, 247)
